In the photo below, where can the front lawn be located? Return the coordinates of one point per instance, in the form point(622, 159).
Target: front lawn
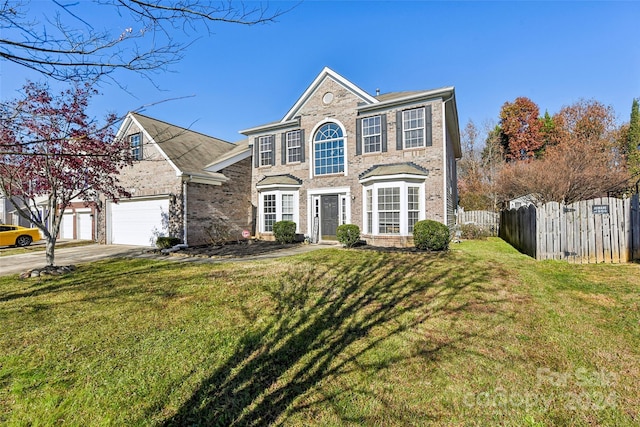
point(481, 335)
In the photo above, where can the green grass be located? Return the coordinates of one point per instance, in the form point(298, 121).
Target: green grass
point(481, 335)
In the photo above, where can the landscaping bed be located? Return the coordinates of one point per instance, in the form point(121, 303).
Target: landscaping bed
point(241, 249)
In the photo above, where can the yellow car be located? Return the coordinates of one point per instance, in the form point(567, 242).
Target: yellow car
point(14, 235)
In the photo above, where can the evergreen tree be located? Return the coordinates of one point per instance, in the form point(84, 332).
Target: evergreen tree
point(633, 141)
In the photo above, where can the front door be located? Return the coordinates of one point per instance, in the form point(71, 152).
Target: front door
point(328, 217)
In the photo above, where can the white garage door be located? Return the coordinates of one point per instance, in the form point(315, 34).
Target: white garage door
point(85, 225)
point(66, 226)
point(139, 222)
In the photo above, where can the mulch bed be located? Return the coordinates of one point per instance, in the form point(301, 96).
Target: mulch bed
point(248, 248)
point(240, 249)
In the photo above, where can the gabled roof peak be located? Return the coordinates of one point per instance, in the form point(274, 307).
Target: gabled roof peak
point(325, 73)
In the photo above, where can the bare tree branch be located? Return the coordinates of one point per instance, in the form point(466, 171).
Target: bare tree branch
point(68, 47)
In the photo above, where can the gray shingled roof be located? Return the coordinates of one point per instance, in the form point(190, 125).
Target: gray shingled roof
point(396, 95)
point(394, 169)
point(190, 151)
point(279, 180)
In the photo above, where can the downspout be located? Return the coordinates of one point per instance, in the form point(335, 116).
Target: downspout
point(444, 156)
point(184, 210)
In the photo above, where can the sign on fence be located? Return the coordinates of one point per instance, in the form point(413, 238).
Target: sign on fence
point(600, 209)
point(590, 231)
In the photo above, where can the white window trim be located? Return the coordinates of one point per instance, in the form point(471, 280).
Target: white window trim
point(404, 211)
point(138, 147)
point(261, 151)
point(364, 137)
point(313, 195)
point(278, 194)
point(424, 129)
point(287, 147)
point(312, 155)
point(343, 209)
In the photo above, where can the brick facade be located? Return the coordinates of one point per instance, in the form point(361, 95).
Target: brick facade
point(229, 203)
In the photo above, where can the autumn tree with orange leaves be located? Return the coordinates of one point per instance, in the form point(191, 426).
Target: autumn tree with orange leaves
point(521, 129)
point(581, 160)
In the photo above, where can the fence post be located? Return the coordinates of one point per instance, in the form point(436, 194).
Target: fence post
point(635, 227)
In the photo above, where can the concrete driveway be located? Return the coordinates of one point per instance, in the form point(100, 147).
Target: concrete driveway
point(15, 264)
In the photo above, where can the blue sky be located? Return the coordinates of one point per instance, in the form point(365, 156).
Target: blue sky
point(238, 77)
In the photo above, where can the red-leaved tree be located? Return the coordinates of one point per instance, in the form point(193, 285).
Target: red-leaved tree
point(52, 152)
point(521, 129)
point(582, 160)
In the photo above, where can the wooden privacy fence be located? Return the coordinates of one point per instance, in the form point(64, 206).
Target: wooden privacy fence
point(590, 231)
point(487, 220)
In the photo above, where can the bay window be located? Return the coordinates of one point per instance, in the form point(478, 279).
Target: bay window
point(392, 208)
point(277, 205)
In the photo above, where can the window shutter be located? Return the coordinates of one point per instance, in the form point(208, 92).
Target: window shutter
point(358, 137)
point(284, 148)
point(427, 124)
point(272, 146)
point(256, 153)
point(141, 153)
point(383, 131)
point(303, 144)
point(399, 130)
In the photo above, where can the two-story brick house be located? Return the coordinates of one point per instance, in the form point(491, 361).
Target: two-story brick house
point(340, 155)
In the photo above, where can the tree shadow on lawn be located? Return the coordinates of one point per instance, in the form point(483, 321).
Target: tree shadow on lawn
point(95, 279)
point(328, 317)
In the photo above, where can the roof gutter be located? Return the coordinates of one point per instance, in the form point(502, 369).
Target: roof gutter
point(272, 126)
point(213, 179)
point(423, 96)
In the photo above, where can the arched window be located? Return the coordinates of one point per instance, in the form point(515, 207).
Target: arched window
point(328, 149)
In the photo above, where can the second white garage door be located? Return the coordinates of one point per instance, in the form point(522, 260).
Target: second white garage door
point(139, 222)
point(85, 225)
point(66, 227)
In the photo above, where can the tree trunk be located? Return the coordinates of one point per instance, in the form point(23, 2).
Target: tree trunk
point(51, 235)
point(50, 251)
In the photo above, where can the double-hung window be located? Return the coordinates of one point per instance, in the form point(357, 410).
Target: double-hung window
point(389, 210)
point(413, 128)
point(278, 205)
point(293, 145)
point(413, 207)
point(371, 134)
point(369, 210)
point(269, 207)
point(135, 143)
point(287, 207)
point(265, 150)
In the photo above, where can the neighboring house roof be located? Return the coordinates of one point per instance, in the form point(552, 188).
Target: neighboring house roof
point(190, 151)
point(408, 168)
point(279, 180)
point(187, 151)
point(525, 199)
